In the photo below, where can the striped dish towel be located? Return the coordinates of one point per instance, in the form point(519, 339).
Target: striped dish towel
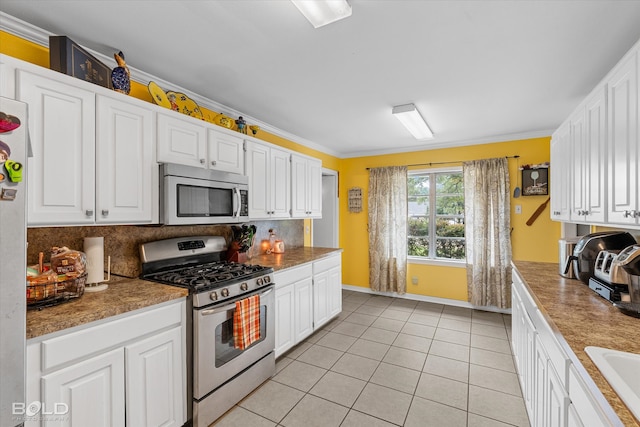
point(246, 322)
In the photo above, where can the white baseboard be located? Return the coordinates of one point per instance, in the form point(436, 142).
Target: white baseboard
point(424, 298)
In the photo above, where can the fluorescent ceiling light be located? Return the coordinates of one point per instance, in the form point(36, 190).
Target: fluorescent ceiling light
point(323, 12)
point(410, 117)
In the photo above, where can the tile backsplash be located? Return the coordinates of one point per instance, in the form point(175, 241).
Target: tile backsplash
point(122, 242)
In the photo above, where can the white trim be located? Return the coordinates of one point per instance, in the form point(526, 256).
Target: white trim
point(451, 144)
point(39, 36)
point(438, 262)
point(424, 298)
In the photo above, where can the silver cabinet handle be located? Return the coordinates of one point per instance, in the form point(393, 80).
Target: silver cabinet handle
point(202, 161)
point(213, 162)
point(88, 212)
point(626, 214)
point(636, 214)
point(105, 212)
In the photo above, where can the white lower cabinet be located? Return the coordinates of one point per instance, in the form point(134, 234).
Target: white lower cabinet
point(130, 371)
point(92, 390)
point(555, 394)
point(294, 306)
point(307, 297)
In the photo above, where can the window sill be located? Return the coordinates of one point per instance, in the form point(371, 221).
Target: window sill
point(438, 262)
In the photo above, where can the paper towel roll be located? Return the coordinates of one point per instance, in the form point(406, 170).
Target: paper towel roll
point(94, 249)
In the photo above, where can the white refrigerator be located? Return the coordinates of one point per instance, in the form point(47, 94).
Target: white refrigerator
point(13, 254)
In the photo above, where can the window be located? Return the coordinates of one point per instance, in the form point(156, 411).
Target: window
point(436, 214)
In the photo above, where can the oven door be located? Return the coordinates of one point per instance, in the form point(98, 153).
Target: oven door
point(215, 359)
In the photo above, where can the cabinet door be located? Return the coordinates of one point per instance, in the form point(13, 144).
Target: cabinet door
point(299, 208)
point(280, 183)
point(93, 390)
point(577, 165)
point(259, 184)
point(529, 362)
point(225, 152)
point(560, 176)
point(314, 188)
point(335, 291)
point(320, 298)
point(156, 387)
point(557, 400)
point(595, 157)
point(540, 386)
point(285, 318)
point(303, 318)
point(126, 171)
point(62, 131)
point(181, 141)
point(622, 141)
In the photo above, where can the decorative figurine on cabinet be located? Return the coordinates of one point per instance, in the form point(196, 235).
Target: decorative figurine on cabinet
point(242, 125)
point(254, 129)
point(120, 76)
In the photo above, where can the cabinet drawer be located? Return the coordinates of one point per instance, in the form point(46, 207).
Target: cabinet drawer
point(326, 263)
point(98, 339)
point(291, 275)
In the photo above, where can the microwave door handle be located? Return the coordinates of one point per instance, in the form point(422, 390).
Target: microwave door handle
point(238, 202)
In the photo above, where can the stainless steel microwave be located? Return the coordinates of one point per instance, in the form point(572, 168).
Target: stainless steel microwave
point(191, 195)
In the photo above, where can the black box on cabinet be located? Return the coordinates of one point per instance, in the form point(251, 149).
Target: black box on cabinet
point(67, 57)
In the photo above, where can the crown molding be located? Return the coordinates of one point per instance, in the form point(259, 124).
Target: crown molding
point(37, 35)
point(453, 144)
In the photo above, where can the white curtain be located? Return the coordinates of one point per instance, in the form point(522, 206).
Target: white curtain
point(388, 229)
point(487, 231)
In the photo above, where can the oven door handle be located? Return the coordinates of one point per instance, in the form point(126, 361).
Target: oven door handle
point(228, 307)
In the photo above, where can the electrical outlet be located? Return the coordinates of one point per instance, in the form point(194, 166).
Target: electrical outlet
point(518, 209)
point(306, 229)
point(414, 280)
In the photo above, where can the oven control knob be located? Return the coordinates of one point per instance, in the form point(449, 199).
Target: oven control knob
point(267, 279)
point(225, 292)
point(259, 281)
point(244, 286)
point(213, 296)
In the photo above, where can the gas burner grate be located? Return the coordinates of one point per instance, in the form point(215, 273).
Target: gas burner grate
point(207, 275)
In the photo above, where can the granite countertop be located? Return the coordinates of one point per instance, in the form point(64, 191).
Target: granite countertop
point(292, 257)
point(582, 318)
point(122, 296)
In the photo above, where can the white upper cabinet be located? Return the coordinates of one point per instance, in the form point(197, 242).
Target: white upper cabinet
point(269, 174)
point(622, 143)
point(560, 176)
point(126, 171)
point(181, 140)
point(603, 154)
point(306, 187)
point(225, 152)
point(62, 132)
point(595, 160)
point(587, 158)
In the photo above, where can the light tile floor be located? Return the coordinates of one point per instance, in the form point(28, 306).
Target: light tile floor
point(393, 362)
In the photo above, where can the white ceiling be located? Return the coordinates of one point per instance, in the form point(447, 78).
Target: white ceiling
point(479, 71)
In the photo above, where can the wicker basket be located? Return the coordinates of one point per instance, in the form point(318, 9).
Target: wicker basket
point(55, 292)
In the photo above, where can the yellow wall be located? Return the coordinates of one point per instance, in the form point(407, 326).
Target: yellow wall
point(530, 243)
point(535, 243)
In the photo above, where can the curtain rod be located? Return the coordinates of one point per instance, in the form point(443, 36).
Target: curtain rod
point(450, 162)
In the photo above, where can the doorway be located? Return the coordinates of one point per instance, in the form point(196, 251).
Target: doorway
point(325, 230)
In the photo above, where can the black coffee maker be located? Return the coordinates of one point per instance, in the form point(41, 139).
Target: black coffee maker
point(589, 246)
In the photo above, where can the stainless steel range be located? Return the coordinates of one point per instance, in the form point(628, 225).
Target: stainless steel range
point(219, 374)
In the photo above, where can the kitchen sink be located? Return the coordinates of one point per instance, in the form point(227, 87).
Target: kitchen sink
point(622, 371)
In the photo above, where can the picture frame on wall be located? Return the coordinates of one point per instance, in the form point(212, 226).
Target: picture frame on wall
point(535, 182)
